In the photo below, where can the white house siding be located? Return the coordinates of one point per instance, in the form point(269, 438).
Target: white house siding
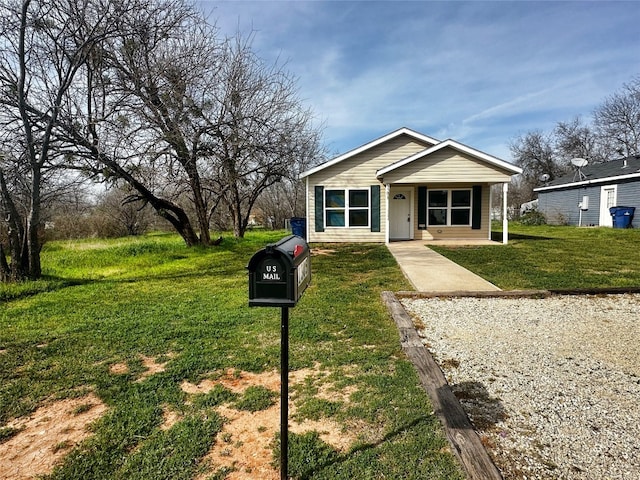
point(350, 235)
point(358, 172)
point(447, 165)
point(441, 232)
point(447, 169)
point(361, 169)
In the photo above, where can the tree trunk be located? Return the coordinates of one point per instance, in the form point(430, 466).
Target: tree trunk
point(171, 212)
point(201, 209)
point(236, 213)
point(33, 246)
point(17, 269)
point(178, 219)
point(5, 272)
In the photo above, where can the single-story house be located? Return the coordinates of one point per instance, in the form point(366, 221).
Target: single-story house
point(405, 186)
point(585, 196)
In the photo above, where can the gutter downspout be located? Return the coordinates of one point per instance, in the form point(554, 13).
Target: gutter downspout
point(505, 221)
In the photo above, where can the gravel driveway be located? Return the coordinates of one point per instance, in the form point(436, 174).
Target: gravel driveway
point(552, 385)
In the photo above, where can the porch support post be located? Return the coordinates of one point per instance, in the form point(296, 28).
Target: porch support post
point(387, 189)
point(489, 237)
point(307, 208)
point(505, 220)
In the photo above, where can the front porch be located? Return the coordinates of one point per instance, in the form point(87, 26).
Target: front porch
point(453, 242)
point(442, 213)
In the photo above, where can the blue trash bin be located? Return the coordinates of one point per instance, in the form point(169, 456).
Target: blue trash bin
point(622, 216)
point(298, 226)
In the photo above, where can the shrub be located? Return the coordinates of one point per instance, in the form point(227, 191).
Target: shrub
point(533, 217)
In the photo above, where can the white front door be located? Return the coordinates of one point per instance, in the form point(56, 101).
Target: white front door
point(400, 215)
point(608, 199)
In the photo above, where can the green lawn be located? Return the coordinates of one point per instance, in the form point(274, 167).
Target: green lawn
point(110, 302)
point(549, 257)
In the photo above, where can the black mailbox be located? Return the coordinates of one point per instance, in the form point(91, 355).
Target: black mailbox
point(279, 273)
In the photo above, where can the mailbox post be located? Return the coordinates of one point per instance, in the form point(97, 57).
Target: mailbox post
point(278, 276)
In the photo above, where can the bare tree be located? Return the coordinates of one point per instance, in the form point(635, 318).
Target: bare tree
point(161, 71)
point(214, 123)
point(575, 139)
point(281, 201)
point(127, 217)
point(618, 120)
point(43, 46)
point(535, 152)
point(261, 135)
point(119, 89)
point(614, 132)
point(13, 216)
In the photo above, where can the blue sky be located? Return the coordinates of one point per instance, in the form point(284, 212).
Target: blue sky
point(481, 73)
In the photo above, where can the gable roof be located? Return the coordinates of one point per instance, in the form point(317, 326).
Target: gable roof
point(614, 170)
point(401, 131)
point(456, 146)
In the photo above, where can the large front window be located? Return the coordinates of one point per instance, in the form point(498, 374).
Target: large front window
point(449, 207)
point(347, 208)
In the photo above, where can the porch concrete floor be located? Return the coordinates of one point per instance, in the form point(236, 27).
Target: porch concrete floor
point(429, 271)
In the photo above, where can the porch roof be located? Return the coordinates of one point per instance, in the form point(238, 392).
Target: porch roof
point(477, 154)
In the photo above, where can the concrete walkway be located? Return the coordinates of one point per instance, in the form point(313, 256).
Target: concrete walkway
point(429, 271)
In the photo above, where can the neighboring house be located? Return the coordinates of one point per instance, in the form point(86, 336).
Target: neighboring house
point(584, 197)
point(405, 186)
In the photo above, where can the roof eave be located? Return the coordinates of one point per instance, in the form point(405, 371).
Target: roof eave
point(367, 146)
point(587, 182)
point(456, 146)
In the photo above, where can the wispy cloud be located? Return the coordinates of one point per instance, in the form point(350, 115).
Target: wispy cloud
point(480, 72)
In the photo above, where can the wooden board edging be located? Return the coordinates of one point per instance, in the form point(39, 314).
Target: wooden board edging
point(457, 427)
point(521, 293)
point(483, 294)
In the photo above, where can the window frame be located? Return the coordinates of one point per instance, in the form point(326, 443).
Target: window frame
point(347, 209)
point(449, 208)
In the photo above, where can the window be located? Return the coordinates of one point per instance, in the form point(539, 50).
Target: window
point(437, 207)
point(335, 204)
point(347, 208)
point(449, 207)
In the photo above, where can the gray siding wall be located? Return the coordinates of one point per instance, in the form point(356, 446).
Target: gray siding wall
point(560, 207)
point(629, 196)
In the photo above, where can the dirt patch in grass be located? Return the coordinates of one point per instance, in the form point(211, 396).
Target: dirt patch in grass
point(169, 419)
point(42, 439)
point(119, 368)
point(244, 447)
point(235, 381)
point(46, 436)
point(151, 365)
point(322, 251)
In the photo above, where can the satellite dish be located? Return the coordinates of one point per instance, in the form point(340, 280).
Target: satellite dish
point(545, 177)
point(579, 162)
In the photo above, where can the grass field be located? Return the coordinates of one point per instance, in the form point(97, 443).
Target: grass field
point(109, 310)
point(542, 257)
